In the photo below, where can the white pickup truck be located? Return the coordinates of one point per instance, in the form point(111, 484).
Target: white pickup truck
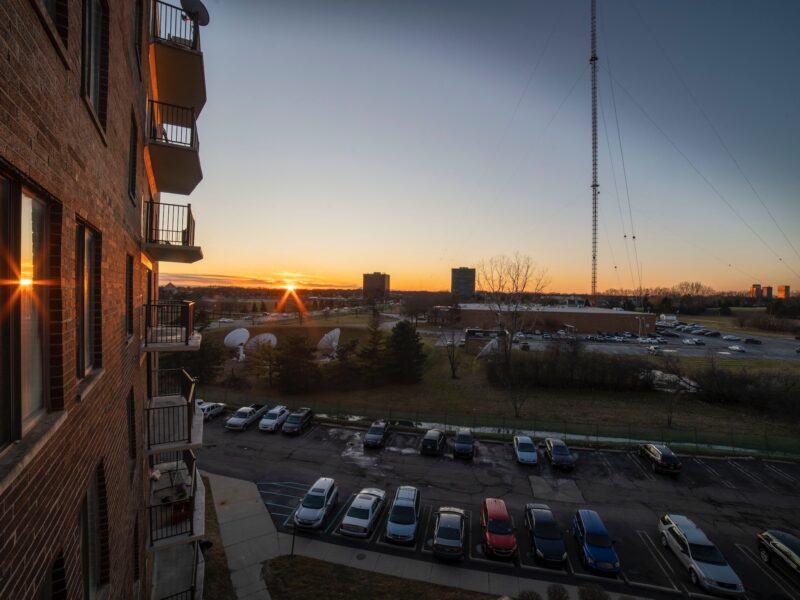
point(246, 416)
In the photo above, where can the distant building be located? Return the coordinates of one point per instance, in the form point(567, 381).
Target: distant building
point(462, 282)
point(784, 292)
point(766, 292)
point(376, 286)
point(755, 291)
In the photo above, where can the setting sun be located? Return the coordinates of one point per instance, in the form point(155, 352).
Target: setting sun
point(25, 282)
point(290, 287)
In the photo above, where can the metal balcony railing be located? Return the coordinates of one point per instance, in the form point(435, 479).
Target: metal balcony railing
point(171, 508)
point(189, 593)
point(172, 125)
point(171, 224)
point(168, 323)
point(172, 24)
point(171, 423)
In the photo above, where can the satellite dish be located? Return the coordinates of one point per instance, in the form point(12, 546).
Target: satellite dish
point(261, 340)
point(491, 348)
point(236, 338)
point(329, 342)
point(197, 10)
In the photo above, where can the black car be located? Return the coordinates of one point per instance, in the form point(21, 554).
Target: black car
point(432, 443)
point(376, 435)
point(781, 550)
point(558, 454)
point(297, 421)
point(464, 444)
point(752, 341)
point(661, 458)
point(546, 539)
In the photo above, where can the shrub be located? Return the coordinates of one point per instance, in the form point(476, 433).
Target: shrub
point(529, 595)
point(592, 592)
point(556, 591)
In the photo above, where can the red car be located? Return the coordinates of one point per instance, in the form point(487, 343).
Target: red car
point(499, 539)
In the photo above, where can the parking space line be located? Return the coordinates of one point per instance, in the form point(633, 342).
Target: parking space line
point(263, 493)
point(289, 518)
point(337, 517)
point(752, 476)
point(639, 466)
point(656, 553)
point(776, 579)
point(715, 473)
point(274, 514)
point(780, 472)
point(280, 505)
point(290, 484)
point(538, 569)
point(426, 513)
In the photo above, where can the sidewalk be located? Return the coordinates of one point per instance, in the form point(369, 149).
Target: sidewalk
point(250, 538)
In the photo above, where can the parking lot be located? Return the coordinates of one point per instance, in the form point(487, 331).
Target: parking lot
point(730, 499)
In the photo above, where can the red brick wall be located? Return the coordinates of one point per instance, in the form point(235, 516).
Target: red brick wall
point(48, 138)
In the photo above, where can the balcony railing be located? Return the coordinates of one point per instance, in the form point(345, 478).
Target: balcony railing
point(172, 499)
point(173, 24)
point(171, 572)
point(172, 125)
point(171, 224)
point(169, 323)
point(170, 421)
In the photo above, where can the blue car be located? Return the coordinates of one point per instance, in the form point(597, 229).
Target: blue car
point(596, 548)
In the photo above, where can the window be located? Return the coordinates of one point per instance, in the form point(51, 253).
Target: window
point(95, 56)
point(131, 426)
point(136, 567)
point(23, 297)
point(87, 288)
point(94, 536)
point(128, 296)
point(55, 585)
point(58, 11)
point(138, 17)
point(132, 159)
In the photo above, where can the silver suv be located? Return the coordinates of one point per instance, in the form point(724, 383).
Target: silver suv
point(707, 567)
point(320, 500)
point(401, 527)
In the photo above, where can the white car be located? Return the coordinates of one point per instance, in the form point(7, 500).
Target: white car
point(318, 502)
point(362, 516)
point(525, 450)
point(212, 409)
point(689, 341)
point(273, 420)
point(731, 338)
point(736, 348)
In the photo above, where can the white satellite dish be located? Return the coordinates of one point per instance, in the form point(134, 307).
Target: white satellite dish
point(260, 340)
point(330, 342)
point(197, 10)
point(237, 339)
point(491, 348)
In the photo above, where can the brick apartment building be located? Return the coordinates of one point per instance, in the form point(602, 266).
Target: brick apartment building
point(98, 490)
point(376, 286)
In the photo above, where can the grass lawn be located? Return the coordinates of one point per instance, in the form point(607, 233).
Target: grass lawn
point(439, 398)
point(301, 578)
point(217, 583)
point(712, 319)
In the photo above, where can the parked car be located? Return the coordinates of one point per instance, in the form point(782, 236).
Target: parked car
point(432, 443)
point(362, 516)
point(661, 458)
point(546, 539)
point(752, 341)
point(781, 550)
point(525, 450)
point(596, 548)
point(297, 421)
point(245, 416)
point(731, 338)
point(698, 342)
point(273, 420)
point(557, 452)
point(464, 444)
point(448, 533)
point(689, 341)
point(712, 334)
point(497, 526)
point(376, 435)
point(706, 564)
point(736, 348)
point(211, 410)
point(319, 501)
point(525, 346)
point(401, 526)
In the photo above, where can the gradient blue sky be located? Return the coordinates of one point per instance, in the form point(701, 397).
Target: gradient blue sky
point(348, 137)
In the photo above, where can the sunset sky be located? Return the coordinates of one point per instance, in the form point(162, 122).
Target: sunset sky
point(343, 137)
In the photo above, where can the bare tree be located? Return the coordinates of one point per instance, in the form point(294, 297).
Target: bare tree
point(508, 282)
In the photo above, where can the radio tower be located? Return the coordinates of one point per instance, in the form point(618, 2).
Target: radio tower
point(593, 62)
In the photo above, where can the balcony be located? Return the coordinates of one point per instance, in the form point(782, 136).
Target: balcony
point(176, 507)
point(178, 573)
point(173, 147)
point(175, 57)
point(169, 327)
point(174, 421)
point(170, 233)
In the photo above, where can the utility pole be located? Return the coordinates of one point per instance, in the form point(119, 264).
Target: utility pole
point(595, 186)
